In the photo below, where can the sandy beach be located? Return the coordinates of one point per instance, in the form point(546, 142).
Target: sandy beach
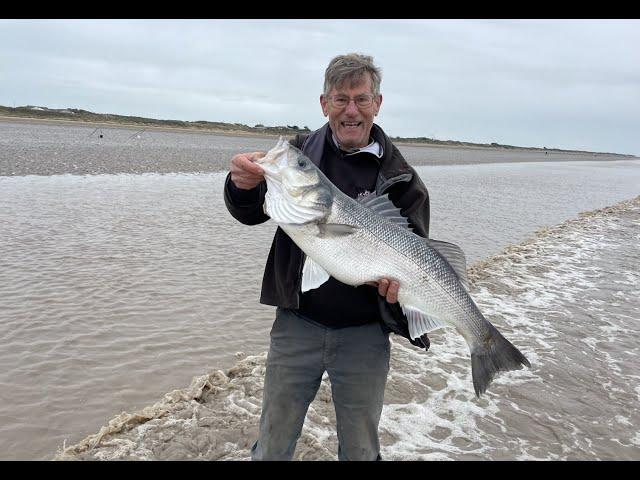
point(58, 147)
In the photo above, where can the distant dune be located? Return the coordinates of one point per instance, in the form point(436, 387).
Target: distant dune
point(77, 115)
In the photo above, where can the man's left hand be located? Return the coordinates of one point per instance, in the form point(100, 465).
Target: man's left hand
point(387, 288)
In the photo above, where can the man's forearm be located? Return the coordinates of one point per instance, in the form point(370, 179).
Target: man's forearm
point(245, 205)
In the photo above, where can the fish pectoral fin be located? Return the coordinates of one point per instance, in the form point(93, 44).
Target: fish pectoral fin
point(313, 275)
point(454, 255)
point(336, 229)
point(420, 322)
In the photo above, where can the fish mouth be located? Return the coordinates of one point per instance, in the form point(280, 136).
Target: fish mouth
point(275, 159)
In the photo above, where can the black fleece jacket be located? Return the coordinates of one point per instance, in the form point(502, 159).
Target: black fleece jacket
point(283, 271)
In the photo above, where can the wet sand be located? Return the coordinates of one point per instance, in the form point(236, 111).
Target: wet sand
point(57, 147)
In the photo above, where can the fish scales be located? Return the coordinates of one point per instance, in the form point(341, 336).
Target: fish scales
point(425, 268)
point(353, 242)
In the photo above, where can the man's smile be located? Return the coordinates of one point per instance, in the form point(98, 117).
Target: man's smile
point(349, 125)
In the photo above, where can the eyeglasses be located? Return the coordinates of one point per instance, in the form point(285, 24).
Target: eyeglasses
point(363, 100)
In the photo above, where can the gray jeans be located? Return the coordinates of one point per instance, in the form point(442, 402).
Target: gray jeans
point(357, 361)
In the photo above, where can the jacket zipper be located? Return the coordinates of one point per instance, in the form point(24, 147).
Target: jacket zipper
point(405, 177)
point(298, 292)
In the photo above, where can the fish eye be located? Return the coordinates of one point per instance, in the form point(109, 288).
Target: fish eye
point(301, 162)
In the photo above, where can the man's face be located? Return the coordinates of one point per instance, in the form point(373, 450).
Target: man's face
point(351, 124)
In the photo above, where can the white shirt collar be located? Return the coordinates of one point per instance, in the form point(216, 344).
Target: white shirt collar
point(374, 147)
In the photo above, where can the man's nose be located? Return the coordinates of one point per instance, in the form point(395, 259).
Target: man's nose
point(351, 107)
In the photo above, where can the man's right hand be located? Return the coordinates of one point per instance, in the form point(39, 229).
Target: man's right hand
point(245, 173)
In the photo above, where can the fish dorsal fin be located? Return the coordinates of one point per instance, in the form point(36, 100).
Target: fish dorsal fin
point(313, 275)
point(454, 255)
point(420, 322)
point(384, 207)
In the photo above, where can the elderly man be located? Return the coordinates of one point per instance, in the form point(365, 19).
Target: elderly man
point(334, 328)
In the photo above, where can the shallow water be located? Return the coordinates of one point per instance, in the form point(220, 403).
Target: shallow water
point(568, 297)
point(115, 289)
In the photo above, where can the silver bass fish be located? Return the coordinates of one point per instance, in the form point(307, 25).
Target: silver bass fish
point(362, 241)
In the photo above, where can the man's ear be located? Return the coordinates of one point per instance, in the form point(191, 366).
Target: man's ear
point(378, 102)
point(324, 105)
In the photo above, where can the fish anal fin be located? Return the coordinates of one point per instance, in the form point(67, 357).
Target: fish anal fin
point(420, 322)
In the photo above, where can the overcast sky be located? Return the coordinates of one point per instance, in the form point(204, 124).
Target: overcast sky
point(571, 84)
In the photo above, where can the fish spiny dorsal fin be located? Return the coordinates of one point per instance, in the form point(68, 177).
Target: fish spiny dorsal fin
point(383, 206)
point(455, 256)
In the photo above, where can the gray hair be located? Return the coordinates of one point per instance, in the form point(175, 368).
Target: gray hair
point(351, 67)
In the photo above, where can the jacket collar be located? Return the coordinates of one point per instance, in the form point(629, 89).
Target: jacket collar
point(392, 163)
point(374, 147)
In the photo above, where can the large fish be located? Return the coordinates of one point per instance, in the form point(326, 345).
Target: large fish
point(362, 241)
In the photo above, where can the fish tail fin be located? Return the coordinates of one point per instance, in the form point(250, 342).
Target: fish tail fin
point(497, 354)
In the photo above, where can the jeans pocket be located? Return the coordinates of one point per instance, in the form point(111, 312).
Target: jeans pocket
point(281, 322)
point(276, 323)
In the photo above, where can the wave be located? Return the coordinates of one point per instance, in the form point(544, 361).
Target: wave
point(565, 297)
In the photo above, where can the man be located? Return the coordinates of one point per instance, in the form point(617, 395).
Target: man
point(335, 328)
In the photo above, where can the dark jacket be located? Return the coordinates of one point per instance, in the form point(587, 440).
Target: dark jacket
point(283, 271)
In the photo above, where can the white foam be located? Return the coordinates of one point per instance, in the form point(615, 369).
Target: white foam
point(581, 387)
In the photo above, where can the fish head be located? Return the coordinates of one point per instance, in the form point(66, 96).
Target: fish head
point(294, 181)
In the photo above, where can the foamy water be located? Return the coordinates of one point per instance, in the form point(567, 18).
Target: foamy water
point(568, 297)
point(115, 289)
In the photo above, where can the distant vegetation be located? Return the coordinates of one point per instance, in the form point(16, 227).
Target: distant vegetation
point(456, 143)
point(74, 114)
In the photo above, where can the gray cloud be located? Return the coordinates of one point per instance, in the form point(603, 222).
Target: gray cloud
point(560, 83)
